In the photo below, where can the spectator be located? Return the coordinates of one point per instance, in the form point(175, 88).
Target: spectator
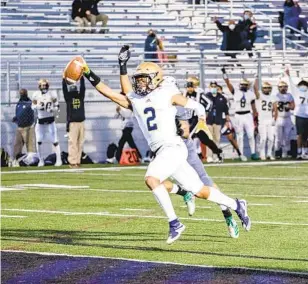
point(292, 10)
point(79, 14)
point(76, 116)
point(128, 126)
point(216, 116)
point(151, 46)
point(300, 94)
point(25, 133)
point(248, 29)
point(94, 16)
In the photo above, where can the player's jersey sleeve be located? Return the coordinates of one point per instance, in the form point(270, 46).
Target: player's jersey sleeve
point(35, 96)
point(53, 95)
point(290, 98)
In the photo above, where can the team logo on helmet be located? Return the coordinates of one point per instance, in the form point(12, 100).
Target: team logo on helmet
point(146, 78)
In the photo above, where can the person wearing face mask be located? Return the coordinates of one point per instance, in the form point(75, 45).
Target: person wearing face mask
point(292, 17)
point(24, 118)
point(243, 120)
point(216, 115)
point(200, 132)
point(248, 30)
point(74, 98)
point(284, 103)
point(231, 37)
point(300, 94)
point(267, 116)
point(47, 105)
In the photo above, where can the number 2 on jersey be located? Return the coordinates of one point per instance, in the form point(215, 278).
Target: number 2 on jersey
point(150, 120)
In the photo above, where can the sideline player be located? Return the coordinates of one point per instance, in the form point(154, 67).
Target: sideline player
point(284, 102)
point(154, 109)
point(243, 100)
point(267, 116)
point(46, 103)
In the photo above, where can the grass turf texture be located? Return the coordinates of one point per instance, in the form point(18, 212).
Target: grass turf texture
point(103, 222)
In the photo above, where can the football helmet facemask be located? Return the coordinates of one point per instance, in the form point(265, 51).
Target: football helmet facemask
point(43, 85)
point(283, 87)
point(266, 88)
point(146, 78)
point(244, 85)
point(195, 81)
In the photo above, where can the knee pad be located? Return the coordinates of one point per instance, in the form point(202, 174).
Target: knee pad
point(39, 143)
point(56, 144)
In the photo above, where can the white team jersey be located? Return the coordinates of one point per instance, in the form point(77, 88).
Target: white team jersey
point(156, 115)
point(301, 103)
point(242, 100)
point(264, 106)
point(282, 101)
point(231, 105)
point(44, 103)
point(128, 117)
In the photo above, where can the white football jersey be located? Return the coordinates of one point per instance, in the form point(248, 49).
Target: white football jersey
point(301, 104)
point(264, 106)
point(242, 100)
point(231, 104)
point(282, 101)
point(44, 103)
point(155, 115)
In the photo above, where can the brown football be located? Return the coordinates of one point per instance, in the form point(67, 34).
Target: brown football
point(73, 70)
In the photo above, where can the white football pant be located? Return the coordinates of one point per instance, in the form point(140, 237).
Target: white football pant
point(266, 132)
point(283, 130)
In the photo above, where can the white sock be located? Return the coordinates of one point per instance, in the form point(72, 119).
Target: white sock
point(162, 196)
point(270, 145)
point(39, 151)
point(305, 151)
point(175, 188)
point(252, 145)
point(58, 152)
point(223, 207)
point(222, 199)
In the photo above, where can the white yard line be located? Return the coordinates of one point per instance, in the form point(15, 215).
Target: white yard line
point(301, 201)
point(7, 188)
point(45, 185)
point(159, 262)
point(248, 164)
point(144, 216)
point(12, 216)
point(259, 204)
point(135, 209)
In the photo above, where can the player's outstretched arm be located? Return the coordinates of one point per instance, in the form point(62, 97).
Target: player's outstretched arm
point(123, 57)
point(104, 89)
point(256, 88)
point(226, 79)
point(180, 100)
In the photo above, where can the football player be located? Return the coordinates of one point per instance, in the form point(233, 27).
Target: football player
point(201, 133)
point(155, 111)
point(266, 118)
point(300, 94)
point(46, 103)
point(284, 102)
point(243, 100)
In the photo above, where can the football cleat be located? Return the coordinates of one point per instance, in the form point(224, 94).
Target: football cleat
point(58, 163)
point(232, 227)
point(272, 158)
point(241, 212)
point(189, 200)
point(243, 158)
point(254, 157)
point(41, 163)
point(263, 158)
point(175, 231)
point(209, 160)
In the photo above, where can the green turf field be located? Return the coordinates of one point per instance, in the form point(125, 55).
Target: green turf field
point(115, 215)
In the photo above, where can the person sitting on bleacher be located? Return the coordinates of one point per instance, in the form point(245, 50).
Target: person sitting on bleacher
point(248, 28)
point(292, 12)
point(94, 16)
point(79, 14)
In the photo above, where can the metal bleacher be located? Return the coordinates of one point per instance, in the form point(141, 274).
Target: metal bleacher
point(39, 38)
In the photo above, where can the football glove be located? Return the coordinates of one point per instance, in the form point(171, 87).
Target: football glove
point(124, 55)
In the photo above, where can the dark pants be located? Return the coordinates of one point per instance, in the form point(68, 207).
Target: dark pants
point(126, 137)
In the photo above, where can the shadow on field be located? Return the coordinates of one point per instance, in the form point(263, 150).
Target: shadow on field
point(22, 267)
point(76, 238)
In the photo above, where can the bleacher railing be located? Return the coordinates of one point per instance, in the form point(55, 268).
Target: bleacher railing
point(292, 42)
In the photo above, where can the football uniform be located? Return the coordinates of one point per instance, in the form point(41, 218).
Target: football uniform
point(243, 119)
point(264, 107)
point(155, 115)
point(45, 128)
point(284, 124)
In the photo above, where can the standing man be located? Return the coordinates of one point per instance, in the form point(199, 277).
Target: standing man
point(94, 16)
point(76, 116)
point(46, 103)
point(216, 116)
point(284, 102)
point(243, 100)
point(300, 94)
point(266, 117)
point(151, 46)
point(24, 118)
